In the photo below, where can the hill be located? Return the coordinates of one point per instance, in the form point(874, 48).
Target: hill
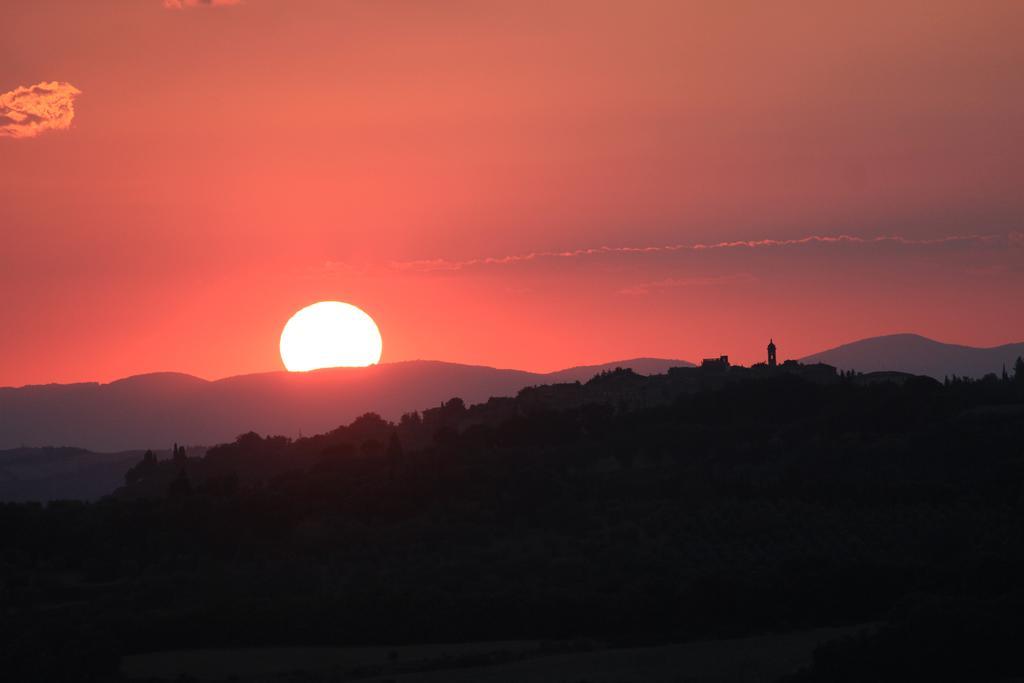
point(156, 410)
point(758, 504)
point(919, 355)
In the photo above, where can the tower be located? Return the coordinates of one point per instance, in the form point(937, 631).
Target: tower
point(771, 353)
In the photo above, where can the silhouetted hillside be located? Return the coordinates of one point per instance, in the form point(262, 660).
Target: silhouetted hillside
point(919, 355)
point(153, 411)
point(252, 458)
point(762, 500)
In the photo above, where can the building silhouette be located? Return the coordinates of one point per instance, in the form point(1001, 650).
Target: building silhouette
point(718, 371)
point(720, 363)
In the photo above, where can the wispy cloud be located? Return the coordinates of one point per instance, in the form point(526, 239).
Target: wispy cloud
point(182, 4)
point(27, 111)
point(678, 282)
point(427, 265)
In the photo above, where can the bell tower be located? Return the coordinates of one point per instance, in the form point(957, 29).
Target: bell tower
point(771, 353)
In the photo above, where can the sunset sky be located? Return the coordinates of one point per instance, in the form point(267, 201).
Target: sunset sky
point(519, 184)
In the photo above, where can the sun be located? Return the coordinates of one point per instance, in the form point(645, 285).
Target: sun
point(330, 334)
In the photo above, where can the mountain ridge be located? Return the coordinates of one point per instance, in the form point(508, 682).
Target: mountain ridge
point(919, 355)
point(154, 410)
point(598, 367)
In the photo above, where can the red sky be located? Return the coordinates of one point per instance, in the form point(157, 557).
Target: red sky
point(520, 184)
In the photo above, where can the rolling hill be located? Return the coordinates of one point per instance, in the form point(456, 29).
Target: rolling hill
point(156, 410)
point(918, 355)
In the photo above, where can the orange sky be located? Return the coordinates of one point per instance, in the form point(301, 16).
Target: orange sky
point(520, 184)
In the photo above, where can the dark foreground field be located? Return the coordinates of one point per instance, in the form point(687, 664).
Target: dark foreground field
point(762, 658)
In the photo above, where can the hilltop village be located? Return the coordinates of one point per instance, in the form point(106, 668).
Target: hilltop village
point(627, 390)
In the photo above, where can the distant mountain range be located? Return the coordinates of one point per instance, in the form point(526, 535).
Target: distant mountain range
point(157, 410)
point(919, 356)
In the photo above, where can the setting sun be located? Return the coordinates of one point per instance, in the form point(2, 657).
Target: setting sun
point(330, 334)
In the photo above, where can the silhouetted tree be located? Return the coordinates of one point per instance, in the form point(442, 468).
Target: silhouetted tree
point(178, 456)
point(224, 485)
point(249, 440)
point(372, 448)
point(339, 451)
point(394, 452)
point(446, 436)
point(181, 486)
point(143, 469)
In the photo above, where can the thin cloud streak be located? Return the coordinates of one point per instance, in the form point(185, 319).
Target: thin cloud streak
point(28, 111)
point(182, 4)
point(427, 265)
point(679, 282)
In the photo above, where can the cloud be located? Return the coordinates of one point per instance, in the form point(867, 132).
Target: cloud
point(25, 112)
point(182, 4)
point(427, 265)
point(677, 282)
